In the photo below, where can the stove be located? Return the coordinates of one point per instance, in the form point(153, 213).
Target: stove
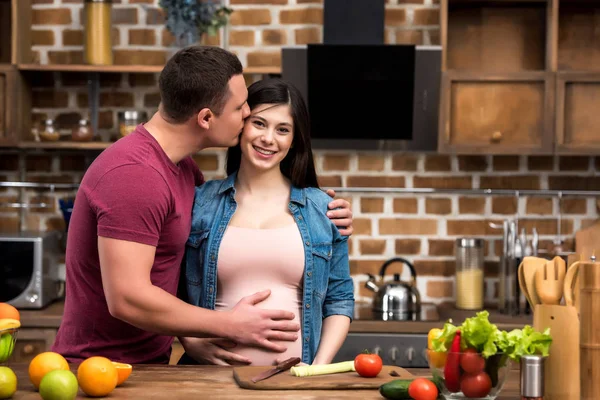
point(399, 340)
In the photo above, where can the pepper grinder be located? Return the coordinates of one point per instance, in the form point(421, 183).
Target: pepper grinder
point(532, 377)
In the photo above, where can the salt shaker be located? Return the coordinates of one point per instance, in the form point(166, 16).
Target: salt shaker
point(532, 377)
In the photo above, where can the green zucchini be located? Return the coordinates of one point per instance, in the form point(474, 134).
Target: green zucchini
point(396, 389)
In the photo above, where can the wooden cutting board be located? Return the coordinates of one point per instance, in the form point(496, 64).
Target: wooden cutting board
point(345, 380)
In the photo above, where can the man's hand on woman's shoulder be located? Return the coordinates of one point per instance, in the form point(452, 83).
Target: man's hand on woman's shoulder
point(342, 217)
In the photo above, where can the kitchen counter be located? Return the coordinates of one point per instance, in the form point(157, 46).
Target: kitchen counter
point(185, 382)
point(51, 316)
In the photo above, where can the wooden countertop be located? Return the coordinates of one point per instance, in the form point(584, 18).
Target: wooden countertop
point(51, 316)
point(187, 382)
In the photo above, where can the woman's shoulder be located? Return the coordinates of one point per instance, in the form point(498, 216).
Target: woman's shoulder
point(317, 197)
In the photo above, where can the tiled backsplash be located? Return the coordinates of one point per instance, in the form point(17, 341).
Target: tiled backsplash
point(419, 227)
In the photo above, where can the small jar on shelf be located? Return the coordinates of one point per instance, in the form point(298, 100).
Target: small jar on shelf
point(49, 133)
point(82, 132)
point(129, 120)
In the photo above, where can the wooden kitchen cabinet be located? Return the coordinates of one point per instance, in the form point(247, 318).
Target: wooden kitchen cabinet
point(497, 93)
point(31, 342)
point(578, 78)
point(496, 114)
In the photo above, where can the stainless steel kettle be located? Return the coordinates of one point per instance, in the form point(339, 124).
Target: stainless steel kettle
point(396, 300)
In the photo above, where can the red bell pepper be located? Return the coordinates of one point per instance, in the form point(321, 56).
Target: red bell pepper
point(452, 367)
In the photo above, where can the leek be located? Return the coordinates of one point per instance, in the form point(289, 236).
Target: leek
point(324, 369)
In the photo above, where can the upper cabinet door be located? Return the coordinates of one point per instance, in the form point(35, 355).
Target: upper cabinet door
point(497, 94)
point(578, 113)
point(496, 115)
point(578, 78)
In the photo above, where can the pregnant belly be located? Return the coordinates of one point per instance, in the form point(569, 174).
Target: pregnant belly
point(287, 299)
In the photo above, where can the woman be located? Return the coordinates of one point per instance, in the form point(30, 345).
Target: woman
point(265, 227)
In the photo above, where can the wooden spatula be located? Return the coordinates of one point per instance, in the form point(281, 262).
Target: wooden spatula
point(549, 281)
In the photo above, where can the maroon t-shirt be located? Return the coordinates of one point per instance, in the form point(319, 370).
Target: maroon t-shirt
point(133, 192)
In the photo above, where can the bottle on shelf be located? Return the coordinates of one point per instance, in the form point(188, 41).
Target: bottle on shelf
point(49, 133)
point(82, 132)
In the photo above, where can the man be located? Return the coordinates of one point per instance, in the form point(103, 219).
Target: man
point(132, 217)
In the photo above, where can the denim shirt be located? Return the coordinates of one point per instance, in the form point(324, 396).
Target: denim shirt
point(328, 288)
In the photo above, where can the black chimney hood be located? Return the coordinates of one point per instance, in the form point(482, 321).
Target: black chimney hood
point(361, 92)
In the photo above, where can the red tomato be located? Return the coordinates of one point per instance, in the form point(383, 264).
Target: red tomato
point(471, 362)
point(476, 385)
point(422, 389)
point(368, 365)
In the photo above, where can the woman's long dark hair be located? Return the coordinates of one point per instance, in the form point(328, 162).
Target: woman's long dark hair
point(298, 166)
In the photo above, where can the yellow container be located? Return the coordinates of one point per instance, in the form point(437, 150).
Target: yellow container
point(98, 41)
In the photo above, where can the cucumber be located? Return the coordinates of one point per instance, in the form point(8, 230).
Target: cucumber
point(396, 389)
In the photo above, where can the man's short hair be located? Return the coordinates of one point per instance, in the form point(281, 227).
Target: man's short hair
point(194, 78)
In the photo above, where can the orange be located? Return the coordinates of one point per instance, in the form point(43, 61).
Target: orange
point(97, 376)
point(44, 363)
point(123, 371)
point(8, 311)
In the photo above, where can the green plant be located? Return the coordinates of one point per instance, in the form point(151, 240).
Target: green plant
point(188, 20)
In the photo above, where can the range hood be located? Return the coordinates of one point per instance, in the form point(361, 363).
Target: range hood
point(362, 93)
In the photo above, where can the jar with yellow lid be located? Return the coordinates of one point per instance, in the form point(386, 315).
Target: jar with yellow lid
point(97, 25)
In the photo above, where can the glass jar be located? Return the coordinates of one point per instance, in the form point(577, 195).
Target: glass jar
point(49, 133)
point(97, 25)
point(82, 132)
point(469, 273)
point(129, 120)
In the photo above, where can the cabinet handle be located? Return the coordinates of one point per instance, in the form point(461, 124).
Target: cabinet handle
point(496, 137)
point(28, 349)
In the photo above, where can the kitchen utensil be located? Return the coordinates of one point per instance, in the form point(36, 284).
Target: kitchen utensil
point(549, 281)
point(283, 366)
point(397, 299)
point(530, 266)
point(571, 284)
point(346, 380)
point(589, 275)
point(503, 290)
point(469, 273)
point(561, 378)
point(522, 284)
point(535, 242)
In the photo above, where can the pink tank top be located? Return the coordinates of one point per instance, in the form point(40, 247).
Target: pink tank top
point(252, 260)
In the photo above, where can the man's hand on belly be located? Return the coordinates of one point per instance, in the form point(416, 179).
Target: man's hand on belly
point(213, 351)
point(254, 326)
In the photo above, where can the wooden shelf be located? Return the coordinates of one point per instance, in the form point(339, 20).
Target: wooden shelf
point(137, 69)
point(494, 36)
point(63, 145)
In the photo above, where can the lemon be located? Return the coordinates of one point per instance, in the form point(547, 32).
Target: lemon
point(59, 385)
point(8, 383)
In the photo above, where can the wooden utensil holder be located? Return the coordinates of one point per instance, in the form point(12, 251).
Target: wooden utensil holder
point(589, 292)
point(561, 376)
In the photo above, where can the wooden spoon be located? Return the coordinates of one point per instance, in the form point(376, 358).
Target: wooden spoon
point(527, 274)
point(549, 282)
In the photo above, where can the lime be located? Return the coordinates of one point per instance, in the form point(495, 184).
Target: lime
point(8, 383)
point(59, 385)
point(6, 346)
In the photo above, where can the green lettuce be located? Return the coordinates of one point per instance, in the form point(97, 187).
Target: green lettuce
point(526, 341)
point(480, 334)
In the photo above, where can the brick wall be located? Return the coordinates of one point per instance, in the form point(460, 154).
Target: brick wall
point(257, 31)
point(422, 228)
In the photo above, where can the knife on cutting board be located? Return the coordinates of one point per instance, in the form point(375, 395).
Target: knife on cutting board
point(284, 365)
